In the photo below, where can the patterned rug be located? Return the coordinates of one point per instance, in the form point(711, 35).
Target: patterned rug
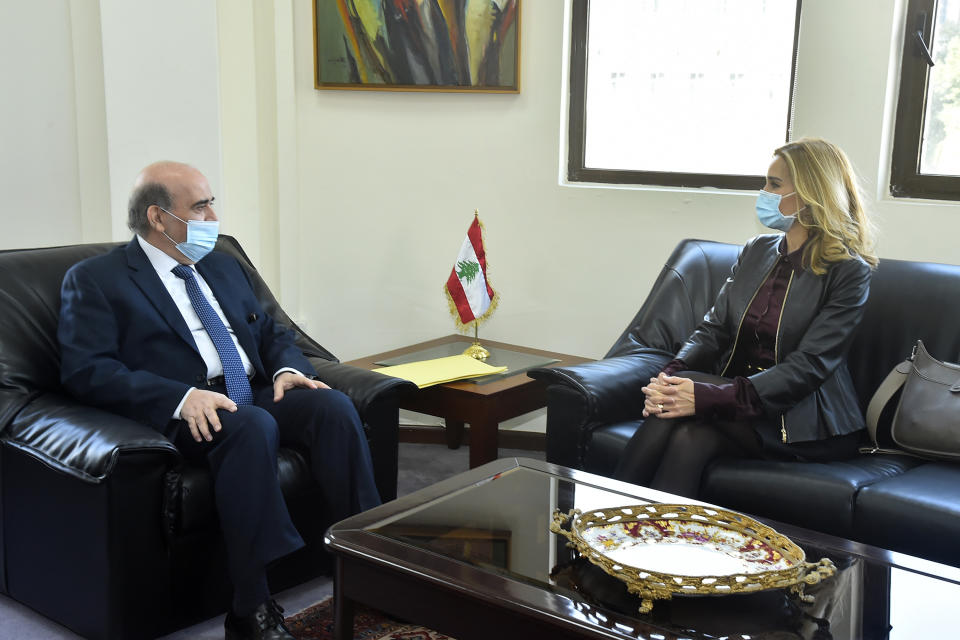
point(316, 623)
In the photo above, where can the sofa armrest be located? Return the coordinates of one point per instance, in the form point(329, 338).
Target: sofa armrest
point(11, 402)
point(568, 429)
point(364, 387)
point(582, 397)
point(610, 387)
point(78, 440)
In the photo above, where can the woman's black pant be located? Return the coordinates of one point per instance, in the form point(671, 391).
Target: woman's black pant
point(671, 454)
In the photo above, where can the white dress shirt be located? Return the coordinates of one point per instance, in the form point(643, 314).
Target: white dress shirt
point(177, 288)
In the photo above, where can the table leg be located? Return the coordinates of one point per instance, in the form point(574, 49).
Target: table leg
point(342, 610)
point(484, 446)
point(876, 602)
point(453, 430)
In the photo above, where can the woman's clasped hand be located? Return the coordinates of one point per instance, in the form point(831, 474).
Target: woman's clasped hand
point(669, 397)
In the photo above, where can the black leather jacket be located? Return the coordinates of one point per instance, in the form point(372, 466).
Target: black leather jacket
point(808, 392)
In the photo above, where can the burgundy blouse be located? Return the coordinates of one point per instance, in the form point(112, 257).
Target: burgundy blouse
point(756, 348)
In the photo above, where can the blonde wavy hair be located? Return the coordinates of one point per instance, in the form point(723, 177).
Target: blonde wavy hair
point(836, 221)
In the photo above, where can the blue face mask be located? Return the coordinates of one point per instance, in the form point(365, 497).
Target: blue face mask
point(768, 211)
point(201, 237)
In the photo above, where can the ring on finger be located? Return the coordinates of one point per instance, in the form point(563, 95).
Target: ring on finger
point(660, 406)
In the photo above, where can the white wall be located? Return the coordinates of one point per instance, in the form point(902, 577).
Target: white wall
point(94, 92)
point(160, 70)
point(38, 131)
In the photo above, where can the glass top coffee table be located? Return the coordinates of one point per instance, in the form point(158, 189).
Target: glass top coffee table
point(473, 557)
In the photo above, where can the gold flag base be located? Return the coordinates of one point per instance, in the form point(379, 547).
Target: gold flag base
point(476, 351)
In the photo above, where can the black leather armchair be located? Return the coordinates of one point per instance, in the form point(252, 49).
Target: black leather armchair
point(103, 527)
point(896, 502)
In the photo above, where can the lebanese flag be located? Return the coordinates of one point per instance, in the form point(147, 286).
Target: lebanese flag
point(468, 288)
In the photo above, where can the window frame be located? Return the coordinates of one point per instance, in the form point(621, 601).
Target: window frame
point(906, 181)
point(577, 171)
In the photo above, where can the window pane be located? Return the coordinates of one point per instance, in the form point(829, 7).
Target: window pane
point(688, 86)
point(941, 129)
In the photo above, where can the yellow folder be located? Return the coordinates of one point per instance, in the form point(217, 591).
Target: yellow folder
point(426, 373)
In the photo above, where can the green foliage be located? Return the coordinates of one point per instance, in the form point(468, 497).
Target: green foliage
point(467, 270)
point(943, 92)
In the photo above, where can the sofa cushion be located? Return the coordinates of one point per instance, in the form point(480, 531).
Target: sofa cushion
point(814, 495)
point(916, 513)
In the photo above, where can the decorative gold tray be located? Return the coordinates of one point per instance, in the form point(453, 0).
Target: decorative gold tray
point(660, 550)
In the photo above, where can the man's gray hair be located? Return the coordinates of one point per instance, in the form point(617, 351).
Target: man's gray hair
point(144, 195)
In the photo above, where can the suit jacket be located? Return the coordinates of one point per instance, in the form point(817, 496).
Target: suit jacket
point(808, 392)
point(126, 348)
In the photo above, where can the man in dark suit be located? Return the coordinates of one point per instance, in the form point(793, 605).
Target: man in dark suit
point(170, 334)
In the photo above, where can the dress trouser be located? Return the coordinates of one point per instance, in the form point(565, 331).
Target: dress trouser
point(243, 462)
point(670, 454)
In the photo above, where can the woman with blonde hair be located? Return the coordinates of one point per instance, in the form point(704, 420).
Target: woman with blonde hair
point(764, 374)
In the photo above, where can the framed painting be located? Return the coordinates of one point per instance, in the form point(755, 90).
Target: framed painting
point(417, 45)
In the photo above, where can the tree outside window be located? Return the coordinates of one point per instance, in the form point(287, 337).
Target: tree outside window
point(926, 150)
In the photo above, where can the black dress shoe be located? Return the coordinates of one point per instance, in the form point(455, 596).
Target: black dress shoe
point(265, 623)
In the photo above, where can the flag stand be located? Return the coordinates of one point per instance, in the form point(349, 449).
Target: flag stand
point(468, 290)
point(476, 350)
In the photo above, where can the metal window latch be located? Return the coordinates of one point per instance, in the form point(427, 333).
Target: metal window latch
point(921, 43)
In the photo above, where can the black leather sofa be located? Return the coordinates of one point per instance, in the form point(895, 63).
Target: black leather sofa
point(896, 502)
point(103, 528)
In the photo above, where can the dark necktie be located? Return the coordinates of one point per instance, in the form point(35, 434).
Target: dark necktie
point(238, 386)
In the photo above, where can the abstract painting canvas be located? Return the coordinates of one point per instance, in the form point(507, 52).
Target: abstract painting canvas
point(417, 45)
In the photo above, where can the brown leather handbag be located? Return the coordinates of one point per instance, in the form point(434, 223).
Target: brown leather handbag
point(927, 419)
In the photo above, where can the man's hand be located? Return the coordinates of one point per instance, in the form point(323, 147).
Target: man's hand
point(199, 411)
point(290, 380)
point(669, 397)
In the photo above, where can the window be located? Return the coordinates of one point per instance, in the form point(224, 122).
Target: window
point(926, 142)
point(686, 93)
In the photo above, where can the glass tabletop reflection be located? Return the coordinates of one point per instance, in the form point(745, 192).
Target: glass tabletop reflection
point(501, 524)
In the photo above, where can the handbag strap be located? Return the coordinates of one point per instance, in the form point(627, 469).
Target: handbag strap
point(890, 385)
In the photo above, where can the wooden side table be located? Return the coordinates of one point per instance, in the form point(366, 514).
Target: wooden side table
point(482, 406)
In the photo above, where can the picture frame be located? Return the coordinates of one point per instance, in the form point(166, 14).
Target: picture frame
point(483, 547)
point(417, 45)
